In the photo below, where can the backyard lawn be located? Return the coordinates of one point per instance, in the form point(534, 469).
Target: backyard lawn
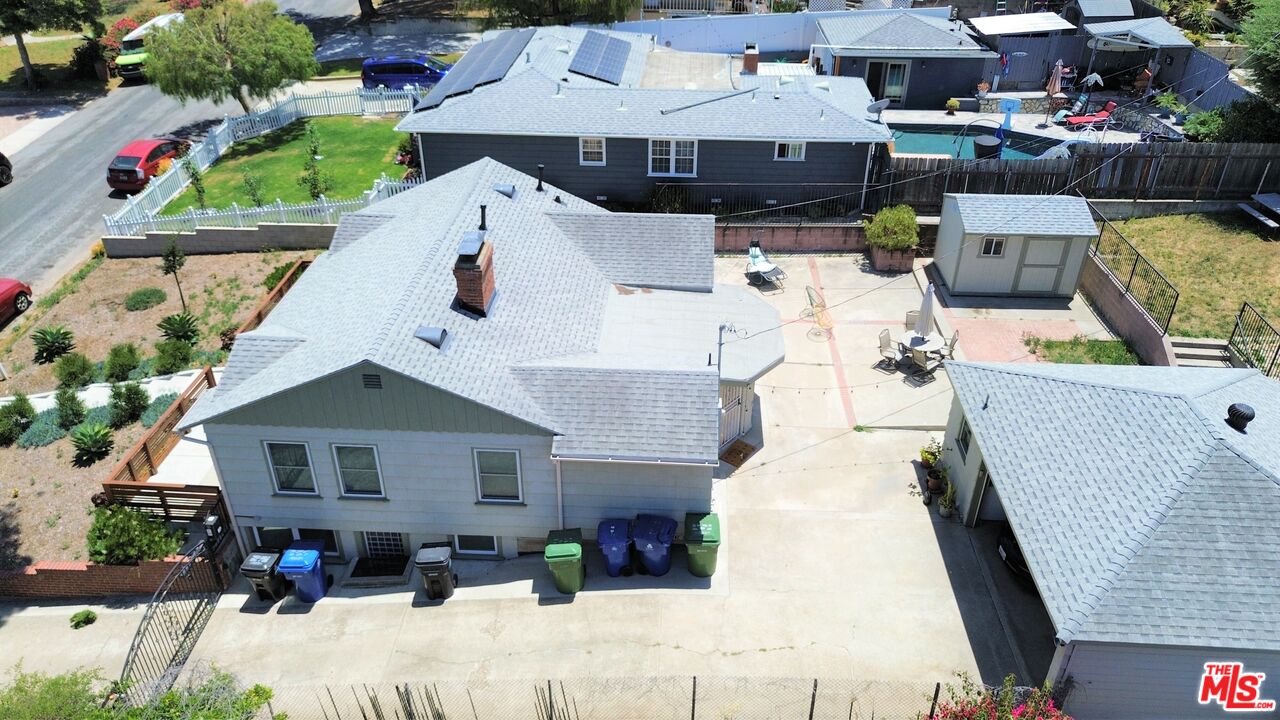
point(1216, 261)
point(51, 60)
point(354, 152)
point(1081, 351)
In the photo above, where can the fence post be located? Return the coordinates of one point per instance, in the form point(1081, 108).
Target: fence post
point(280, 207)
point(235, 208)
point(324, 207)
point(813, 699)
point(933, 707)
point(693, 710)
point(1132, 271)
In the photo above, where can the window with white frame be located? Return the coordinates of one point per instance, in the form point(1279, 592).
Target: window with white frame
point(476, 544)
point(963, 438)
point(993, 247)
point(789, 151)
point(498, 475)
point(591, 151)
point(673, 157)
point(282, 537)
point(358, 470)
point(290, 465)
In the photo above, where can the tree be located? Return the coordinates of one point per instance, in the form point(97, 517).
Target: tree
point(171, 262)
point(25, 16)
point(520, 13)
point(1262, 35)
point(229, 49)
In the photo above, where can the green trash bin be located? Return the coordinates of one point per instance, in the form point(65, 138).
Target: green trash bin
point(702, 538)
point(564, 559)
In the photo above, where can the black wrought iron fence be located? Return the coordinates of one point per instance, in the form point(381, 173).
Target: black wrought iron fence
point(762, 202)
point(1255, 341)
point(1148, 287)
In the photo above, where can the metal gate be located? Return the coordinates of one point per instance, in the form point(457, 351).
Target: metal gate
point(171, 625)
point(730, 414)
point(1255, 341)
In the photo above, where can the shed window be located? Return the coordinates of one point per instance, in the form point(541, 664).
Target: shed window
point(963, 438)
point(498, 475)
point(993, 247)
point(673, 157)
point(291, 467)
point(358, 470)
point(789, 151)
point(590, 151)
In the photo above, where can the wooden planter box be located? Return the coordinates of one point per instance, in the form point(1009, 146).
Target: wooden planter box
point(892, 260)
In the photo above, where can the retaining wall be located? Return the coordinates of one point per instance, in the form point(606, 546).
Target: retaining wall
point(48, 579)
point(1123, 314)
point(810, 238)
point(217, 241)
point(1125, 209)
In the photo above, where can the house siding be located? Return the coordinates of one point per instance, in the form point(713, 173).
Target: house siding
point(625, 178)
point(1137, 682)
point(596, 491)
point(930, 82)
point(962, 471)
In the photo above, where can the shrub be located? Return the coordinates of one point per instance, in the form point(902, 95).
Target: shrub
point(227, 338)
point(180, 326)
point(171, 356)
point(52, 343)
point(74, 371)
point(85, 58)
point(93, 441)
point(70, 407)
point(157, 408)
point(128, 402)
point(15, 418)
point(893, 228)
point(99, 250)
point(144, 299)
point(971, 700)
point(121, 535)
point(121, 361)
point(44, 430)
point(84, 618)
point(36, 696)
point(253, 188)
point(275, 276)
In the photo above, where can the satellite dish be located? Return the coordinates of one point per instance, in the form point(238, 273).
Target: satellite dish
point(878, 107)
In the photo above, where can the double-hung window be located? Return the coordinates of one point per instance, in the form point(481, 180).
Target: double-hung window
point(673, 157)
point(793, 151)
point(290, 464)
point(498, 476)
point(358, 470)
point(591, 151)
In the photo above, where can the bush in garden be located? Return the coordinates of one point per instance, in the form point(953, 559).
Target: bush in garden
point(157, 408)
point(121, 361)
point(121, 535)
point(273, 279)
point(44, 430)
point(35, 696)
point(171, 356)
point(128, 402)
point(180, 326)
point(144, 299)
point(52, 343)
point(74, 371)
point(93, 441)
point(85, 59)
point(971, 701)
point(70, 407)
point(83, 618)
point(15, 418)
point(253, 188)
point(893, 228)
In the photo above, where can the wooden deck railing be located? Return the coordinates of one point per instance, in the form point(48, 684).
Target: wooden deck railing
point(175, 503)
point(144, 458)
point(273, 298)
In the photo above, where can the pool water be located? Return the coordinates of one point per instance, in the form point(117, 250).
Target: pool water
point(944, 143)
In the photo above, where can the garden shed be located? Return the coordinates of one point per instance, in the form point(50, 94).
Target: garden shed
point(1032, 245)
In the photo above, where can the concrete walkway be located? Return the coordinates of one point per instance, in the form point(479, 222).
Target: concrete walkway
point(1027, 123)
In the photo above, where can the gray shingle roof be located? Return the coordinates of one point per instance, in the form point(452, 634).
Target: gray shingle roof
point(801, 109)
point(354, 226)
point(904, 34)
point(668, 251)
point(1025, 214)
point(1105, 8)
point(1153, 30)
point(363, 302)
point(1144, 518)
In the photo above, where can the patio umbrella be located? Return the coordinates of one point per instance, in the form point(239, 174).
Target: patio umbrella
point(1053, 88)
point(925, 321)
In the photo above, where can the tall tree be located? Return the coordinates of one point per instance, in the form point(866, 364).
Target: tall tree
point(230, 49)
point(26, 16)
point(520, 13)
point(1262, 35)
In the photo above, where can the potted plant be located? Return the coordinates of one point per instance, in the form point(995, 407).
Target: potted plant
point(930, 453)
point(1179, 114)
point(936, 478)
point(952, 106)
point(1167, 102)
point(947, 503)
point(892, 235)
point(983, 87)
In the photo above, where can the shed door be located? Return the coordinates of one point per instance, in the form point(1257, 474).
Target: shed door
point(1042, 263)
point(730, 413)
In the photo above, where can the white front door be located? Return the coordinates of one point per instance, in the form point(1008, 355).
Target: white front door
point(730, 414)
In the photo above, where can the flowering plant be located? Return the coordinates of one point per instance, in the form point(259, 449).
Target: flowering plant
point(971, 701)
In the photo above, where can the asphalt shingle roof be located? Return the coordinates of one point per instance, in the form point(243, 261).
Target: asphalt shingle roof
point(653, 250)
point(1105, 8)
point(1144, 517)
point(1025, 214)
point(550, 305)
point(904, 34)
point(1153, 30)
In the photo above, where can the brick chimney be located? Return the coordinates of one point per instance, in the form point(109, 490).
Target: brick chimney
point(750, 59)
point(473, 270)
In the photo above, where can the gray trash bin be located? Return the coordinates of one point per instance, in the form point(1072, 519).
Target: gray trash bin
point(260, 567)
point(435, 563)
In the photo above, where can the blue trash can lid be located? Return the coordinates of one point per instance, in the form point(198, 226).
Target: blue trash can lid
point(299, 560)
point(613, 531)
point(654, 528)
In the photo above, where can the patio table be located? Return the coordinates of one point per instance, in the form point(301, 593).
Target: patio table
point(912, 340)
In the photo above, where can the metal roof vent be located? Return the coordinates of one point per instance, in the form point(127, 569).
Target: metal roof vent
point(508, 190)
point(430, 334)
point(1239, 416)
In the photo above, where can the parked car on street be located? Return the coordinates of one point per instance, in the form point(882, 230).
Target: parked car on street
point(140, 160)
point(1011, 554)
point(15, 298)
point(398, 72)
point(6, 170)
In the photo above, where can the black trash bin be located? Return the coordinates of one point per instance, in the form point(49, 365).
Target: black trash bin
point(436, 565)
point(260, 567)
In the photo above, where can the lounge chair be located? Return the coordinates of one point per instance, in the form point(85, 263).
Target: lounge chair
point(759, 270)
point(1098, 119)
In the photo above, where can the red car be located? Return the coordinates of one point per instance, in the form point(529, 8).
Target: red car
point(15, 298)
point(140, 160)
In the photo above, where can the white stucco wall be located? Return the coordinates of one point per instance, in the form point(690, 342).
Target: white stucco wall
point(962, 470)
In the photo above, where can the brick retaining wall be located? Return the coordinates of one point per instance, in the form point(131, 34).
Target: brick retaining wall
point(48, 579)
point(808, 238)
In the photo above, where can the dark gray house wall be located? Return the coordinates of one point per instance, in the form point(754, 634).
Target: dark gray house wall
point(625, 176)
point(930, 82)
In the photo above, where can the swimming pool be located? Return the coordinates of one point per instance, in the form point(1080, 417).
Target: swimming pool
point(941, 140)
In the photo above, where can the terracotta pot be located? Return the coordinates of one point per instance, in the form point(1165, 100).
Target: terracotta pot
point(934, 481)
point(926, 464)
point(892, 260)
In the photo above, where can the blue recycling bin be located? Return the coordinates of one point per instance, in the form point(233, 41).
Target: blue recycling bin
point(303, 564)
point(614, 538)
point(652, 535)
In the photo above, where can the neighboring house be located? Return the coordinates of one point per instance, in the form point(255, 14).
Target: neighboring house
point(914, 60)
point(1030, 245)
point(1125, 47)
point(1148, 521)
point(611, 116)
point(480, 360)
point(1078, 12)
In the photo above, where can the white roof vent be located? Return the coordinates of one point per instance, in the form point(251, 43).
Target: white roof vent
point(505, 189)
point(786, 80)
point(430, 334)
point(823, 85)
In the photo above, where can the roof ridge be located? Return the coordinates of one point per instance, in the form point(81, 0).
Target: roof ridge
point(989, 367)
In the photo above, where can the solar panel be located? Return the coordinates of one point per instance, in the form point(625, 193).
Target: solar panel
point(485, 62)
point(601, 57)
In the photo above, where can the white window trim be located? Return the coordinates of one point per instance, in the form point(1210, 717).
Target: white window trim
point(788, 159)
point(337, 538)
point(475, 464)
point(337, 471)
point(964, 439)
point(671, 165)
point(486, 553)
point(604, 152)
point(271, 467)
point(982, 249)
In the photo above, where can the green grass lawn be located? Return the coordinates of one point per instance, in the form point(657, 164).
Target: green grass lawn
point(1081, 351)
point(355, 152)
point(52, 62)
point(1216, 261)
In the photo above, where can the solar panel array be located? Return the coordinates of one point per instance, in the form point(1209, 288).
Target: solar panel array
point(485, 62)
point(601, 57)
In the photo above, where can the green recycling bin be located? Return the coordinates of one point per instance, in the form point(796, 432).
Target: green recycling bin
point(564, 559)
point(702, 538)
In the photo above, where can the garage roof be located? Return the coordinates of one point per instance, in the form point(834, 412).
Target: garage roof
point(1143, 516)
point(1025, 214)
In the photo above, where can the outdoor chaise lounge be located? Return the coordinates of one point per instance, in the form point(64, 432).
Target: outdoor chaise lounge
point(1079, 122)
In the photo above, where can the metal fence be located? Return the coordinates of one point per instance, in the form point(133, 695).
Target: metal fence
point(1255, 341)
point(761, 202)
point(1141, 280)
point(162, 189)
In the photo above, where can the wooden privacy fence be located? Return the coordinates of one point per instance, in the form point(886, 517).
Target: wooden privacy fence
point(175, 503)
point(144, 458)
point(922, 181)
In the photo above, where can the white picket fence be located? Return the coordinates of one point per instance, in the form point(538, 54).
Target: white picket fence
point(141, 211)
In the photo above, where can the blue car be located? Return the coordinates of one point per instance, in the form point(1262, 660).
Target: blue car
point(398, 72)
